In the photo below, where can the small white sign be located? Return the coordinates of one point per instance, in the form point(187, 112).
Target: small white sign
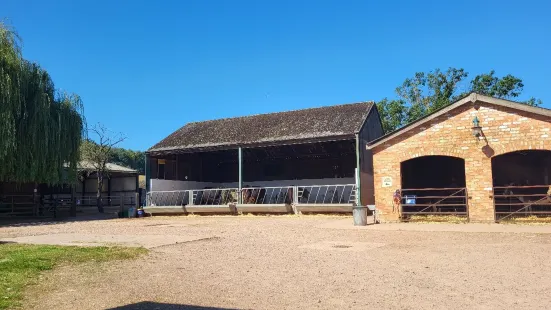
point(387, 181)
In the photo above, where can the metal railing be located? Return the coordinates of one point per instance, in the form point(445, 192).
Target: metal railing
point(312, 194)
point(434, 201)
point(267, 195)
point(167, 198)
point(521, 201)
point(214, 196)
point(327, 194)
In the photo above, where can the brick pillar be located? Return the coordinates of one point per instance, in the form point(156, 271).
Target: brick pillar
point(387, 167)
point(478, 176)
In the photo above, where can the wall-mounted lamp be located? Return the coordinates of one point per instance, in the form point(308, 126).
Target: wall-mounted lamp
point(477, 130)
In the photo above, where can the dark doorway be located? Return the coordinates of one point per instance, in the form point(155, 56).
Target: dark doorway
point(521, 181)
point(433, 185)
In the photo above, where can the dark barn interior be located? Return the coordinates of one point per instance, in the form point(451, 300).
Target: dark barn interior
point(334, 159)
point(521, 183)
point(433, 184)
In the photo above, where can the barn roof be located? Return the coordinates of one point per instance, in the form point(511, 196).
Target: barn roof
point(110, 167)
point(300, 126)
point(472, 98)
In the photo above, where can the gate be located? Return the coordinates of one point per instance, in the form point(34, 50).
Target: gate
point(434, 201)
point(521, 201)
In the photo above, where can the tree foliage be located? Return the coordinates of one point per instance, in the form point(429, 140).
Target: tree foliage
point(40, 129)
point(129, 158)
point(427, 92)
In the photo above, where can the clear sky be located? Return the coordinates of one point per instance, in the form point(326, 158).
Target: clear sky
point(146, 68)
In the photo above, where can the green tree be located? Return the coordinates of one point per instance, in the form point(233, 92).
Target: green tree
point(427, 92)
point(393, 113)
point(129, 158)
point(488, 84)
point(40, 129)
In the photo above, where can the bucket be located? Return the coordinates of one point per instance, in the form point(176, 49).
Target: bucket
point(359, 213)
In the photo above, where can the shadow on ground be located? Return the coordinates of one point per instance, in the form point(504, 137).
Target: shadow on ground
point(161, 306)
point(21, 222)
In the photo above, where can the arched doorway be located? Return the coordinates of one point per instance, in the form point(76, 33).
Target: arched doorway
point(521, 181)
point(433, 185)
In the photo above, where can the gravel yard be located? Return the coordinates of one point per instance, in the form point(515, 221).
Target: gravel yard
point(292, 262)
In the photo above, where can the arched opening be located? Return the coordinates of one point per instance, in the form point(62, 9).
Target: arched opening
point(521, 182)
point(433, 185)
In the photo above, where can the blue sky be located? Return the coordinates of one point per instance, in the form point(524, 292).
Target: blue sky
point(145, 68)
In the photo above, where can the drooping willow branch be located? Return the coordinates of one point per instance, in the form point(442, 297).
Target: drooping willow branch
point(40, 129)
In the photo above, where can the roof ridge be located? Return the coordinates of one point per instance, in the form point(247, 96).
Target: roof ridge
point(279, 112)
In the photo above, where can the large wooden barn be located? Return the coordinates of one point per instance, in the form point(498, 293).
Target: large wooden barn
point(310, 160)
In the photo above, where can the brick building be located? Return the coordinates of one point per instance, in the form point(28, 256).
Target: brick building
point(480, 157)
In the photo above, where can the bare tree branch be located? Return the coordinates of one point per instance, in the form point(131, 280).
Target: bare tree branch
point(98, 154)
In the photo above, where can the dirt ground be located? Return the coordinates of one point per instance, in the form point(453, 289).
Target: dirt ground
point(296, 263)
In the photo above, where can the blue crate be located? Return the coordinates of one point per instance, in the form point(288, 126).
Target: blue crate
point(410, 199)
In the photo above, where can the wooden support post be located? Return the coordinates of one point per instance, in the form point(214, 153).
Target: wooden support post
point(358, 185)
point(108, 190)
point(73, 211)
point(35, 203)
point(83, 188)
point(138, 191)
point(122, 203)
point(240, 185)
point(147, 173)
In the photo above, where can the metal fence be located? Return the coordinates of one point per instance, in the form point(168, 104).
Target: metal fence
point(267, 195)
point(327, 194)
point(434, 201)
point(313, 194)
point(214, 196)
point(167, 198)
point(521, 201)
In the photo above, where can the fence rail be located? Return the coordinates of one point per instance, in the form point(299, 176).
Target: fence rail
point(327, 194)
point(17, 205)
point(214, 196)
point(312, 194)
point(521, 201)
point(267, 195)
point(167, 198)
point(52, 205)
point(434, 201)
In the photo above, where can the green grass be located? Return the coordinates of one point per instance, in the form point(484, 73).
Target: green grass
point(21, 264)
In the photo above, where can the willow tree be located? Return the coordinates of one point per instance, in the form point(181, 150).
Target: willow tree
point(40, 129)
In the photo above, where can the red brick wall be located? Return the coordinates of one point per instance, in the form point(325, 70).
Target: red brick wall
point(506, 130)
